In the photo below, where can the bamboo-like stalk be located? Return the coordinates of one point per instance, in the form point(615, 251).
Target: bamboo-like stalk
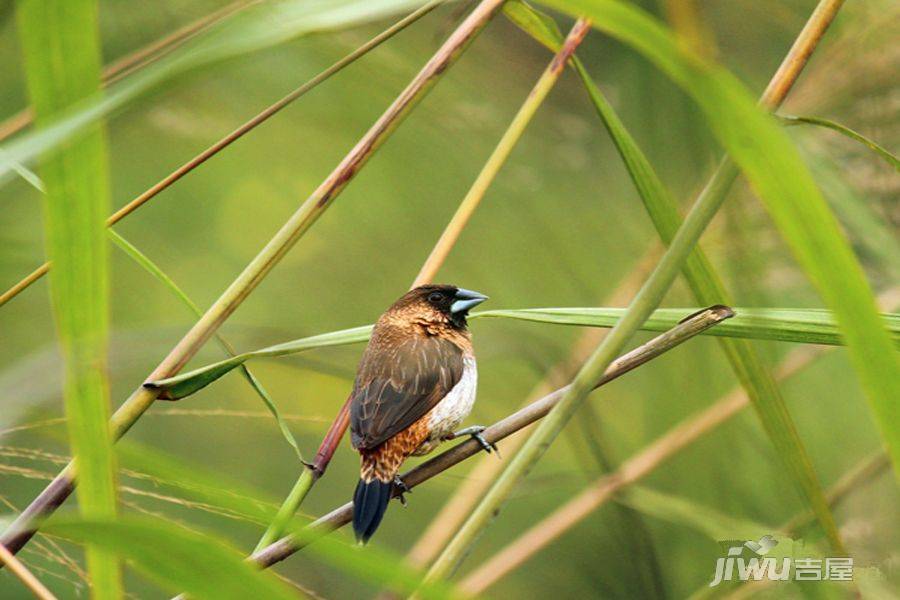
point(707, 288)
point(434, 261)
point(235, 135)
point(23, 528)
point(691, 326)
point(140, 58)
point(454, 511)
point(27, 578)
point(701, 213)
point(647, 460)
point(561, 520)
point(501, 152)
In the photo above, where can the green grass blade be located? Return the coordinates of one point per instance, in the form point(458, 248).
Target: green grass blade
point(176, 558)
point(258, 27)
point(704, 282)
point(61, 47)
point(148, 265)
point(853, 135)
point(375, 566)
point(186, 384)
point(783, 183)
point(801, 325)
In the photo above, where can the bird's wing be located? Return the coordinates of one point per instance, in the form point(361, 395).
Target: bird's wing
point(397, 385)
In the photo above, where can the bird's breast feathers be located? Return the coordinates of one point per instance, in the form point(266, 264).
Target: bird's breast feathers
point(446, 416)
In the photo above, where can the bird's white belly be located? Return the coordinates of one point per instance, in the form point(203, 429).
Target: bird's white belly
point(446, 416)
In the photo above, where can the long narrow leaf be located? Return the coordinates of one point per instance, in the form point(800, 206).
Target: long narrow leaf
point(784, 184)
point(61, 46)
point(186, 384)
point(802, 325)
point(258, 27)
point(853, 135)
point(148, 265)
point(702, 279)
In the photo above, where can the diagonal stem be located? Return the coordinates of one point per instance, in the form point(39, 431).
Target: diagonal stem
point(34, 585)
point(632, 470)
point(235, 135)
point(24, 527)
point(138, 59)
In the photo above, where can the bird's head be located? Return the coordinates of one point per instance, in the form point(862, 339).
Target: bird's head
point(437, 305)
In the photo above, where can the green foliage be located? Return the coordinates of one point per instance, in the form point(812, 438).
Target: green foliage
point(707, 288)
point(783, 182)
point(178, 559)
point(801, 325)
point(256, 28)
point(61, 47)
point(148, 265)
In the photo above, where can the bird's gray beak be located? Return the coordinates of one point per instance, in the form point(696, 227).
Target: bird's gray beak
point(466, 299)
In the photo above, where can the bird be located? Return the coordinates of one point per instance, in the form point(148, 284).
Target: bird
point(414, 386)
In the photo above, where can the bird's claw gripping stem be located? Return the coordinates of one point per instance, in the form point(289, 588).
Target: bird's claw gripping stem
point(404, 489)
point(475, 432)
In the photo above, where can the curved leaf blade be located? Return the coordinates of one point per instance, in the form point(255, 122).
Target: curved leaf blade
point(188, 383)
point(702, 279)
point(778, 175)
point(846, 131)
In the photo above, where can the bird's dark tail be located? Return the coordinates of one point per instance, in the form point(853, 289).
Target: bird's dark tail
point(370, 501)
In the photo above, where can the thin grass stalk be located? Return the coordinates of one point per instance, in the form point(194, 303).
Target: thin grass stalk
point(701, 277)
point(148, 265)
point(642, 306)
point(138, 59)
point(454, 511)
point(23, 528)
point(706, 285)
point(501, 153)
point(235, 135)
point(690, 327)
point(567, 516)
point(434, 261)
point(149, 54)
point(32, 583)
point(540, 535)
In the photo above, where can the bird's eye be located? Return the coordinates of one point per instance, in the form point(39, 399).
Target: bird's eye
point(435, 297)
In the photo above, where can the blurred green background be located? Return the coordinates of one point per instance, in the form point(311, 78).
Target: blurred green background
point(561, 226)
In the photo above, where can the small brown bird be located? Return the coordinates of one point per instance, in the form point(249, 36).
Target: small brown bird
point(415, 384)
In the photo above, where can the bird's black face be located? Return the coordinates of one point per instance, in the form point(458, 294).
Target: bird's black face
point(443, 302)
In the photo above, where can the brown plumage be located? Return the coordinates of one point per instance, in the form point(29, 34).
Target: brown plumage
point(415, 383)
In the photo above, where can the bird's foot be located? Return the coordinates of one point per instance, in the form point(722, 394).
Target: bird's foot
point(475, 433)
point(404, 489)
